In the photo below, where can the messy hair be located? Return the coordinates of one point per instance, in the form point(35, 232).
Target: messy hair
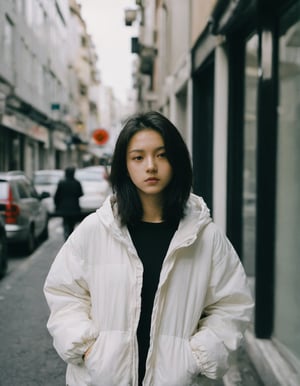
point(176, 193)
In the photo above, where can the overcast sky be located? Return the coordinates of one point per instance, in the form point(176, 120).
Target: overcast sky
point(105, 23)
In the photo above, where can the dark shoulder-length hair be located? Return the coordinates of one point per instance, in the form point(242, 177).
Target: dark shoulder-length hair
point(176, 193)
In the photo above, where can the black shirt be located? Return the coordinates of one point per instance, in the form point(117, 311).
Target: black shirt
point(151, 241)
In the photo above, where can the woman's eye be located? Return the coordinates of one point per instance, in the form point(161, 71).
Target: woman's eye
point(162, 155)
point(137, 158)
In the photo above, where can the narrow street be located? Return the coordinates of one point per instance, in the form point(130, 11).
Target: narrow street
point(27, 357)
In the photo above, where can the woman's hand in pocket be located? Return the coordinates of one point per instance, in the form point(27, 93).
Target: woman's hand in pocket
point(86, 354)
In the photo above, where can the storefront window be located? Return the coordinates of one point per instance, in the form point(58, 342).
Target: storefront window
point(287, 245)
point(249, 171)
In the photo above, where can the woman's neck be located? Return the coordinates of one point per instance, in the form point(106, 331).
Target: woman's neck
point(152, 209)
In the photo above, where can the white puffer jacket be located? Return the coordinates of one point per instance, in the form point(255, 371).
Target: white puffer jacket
point(201, 309)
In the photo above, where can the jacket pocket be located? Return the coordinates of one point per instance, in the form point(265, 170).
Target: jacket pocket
point(175, 364)
point(109, 361)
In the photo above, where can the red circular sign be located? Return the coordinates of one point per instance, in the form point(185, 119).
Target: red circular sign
point(100, 136)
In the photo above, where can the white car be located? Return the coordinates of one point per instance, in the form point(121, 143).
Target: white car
point(93, 180)
point(46, 181)
point(95, 187)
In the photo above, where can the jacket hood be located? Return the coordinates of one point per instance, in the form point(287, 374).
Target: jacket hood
point(197, 216)
point(197, 209)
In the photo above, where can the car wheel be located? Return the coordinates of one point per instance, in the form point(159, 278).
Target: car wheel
point(30, 242)
point(3, 255)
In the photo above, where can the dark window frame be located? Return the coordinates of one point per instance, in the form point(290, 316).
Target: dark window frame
point(203, 124)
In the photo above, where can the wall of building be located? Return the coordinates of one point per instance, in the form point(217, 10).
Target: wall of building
point(233, 93)
point(201, 11)
point(45, 97)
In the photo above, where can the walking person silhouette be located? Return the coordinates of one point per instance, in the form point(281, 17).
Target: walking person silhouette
point(66, 199)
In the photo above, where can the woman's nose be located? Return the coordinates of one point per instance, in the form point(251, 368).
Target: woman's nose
point(151, 165)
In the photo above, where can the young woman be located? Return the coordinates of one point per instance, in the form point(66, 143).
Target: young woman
point(148, 290)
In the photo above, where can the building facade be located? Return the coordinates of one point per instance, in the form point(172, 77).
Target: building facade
point(227, 73)
point(47, 72)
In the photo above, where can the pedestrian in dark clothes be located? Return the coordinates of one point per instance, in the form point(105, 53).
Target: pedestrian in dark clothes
point(66, 200)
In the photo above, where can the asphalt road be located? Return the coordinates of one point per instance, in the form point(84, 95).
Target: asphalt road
point(26, 354)
point(27, 357)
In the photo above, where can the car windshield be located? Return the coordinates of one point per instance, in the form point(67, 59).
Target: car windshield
point(47, 179)
point(84, 175)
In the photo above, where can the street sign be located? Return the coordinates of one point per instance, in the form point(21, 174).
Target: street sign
point(100, 136)
point(55, 106)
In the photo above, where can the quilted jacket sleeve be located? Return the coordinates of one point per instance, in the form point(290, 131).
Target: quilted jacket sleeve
point(227, 311)
point(68, 297)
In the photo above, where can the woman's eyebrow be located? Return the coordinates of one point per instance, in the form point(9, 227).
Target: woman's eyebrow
point(135, 151)
point(142, 150)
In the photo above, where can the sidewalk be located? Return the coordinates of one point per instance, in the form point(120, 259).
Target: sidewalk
point(242, 372)
point(270, 364)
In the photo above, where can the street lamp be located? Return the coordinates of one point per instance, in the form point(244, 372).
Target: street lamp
point(130, 16)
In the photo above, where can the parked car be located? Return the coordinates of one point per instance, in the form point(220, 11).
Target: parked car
point(95, 187)
point(46, 181)
point(99, 170)
point(24, 212)
point(3, 248)
point(94, 183)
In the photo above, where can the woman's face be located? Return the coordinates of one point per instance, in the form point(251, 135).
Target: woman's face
point(147, 163)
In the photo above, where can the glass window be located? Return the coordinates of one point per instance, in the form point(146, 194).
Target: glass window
point(26, 60)
point(8, 42)
point(23, 56)
point(48, 178)
point(46, 83)
point(249, 171)
point(39, 79)
point(287, 246)
point(29, 12)
point(3, 190)
point(31, 189)
point(22, 189)
point(39, 16)
point(20, 6)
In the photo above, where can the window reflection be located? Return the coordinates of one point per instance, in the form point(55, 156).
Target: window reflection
point(287, 303)
point(249, 171)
